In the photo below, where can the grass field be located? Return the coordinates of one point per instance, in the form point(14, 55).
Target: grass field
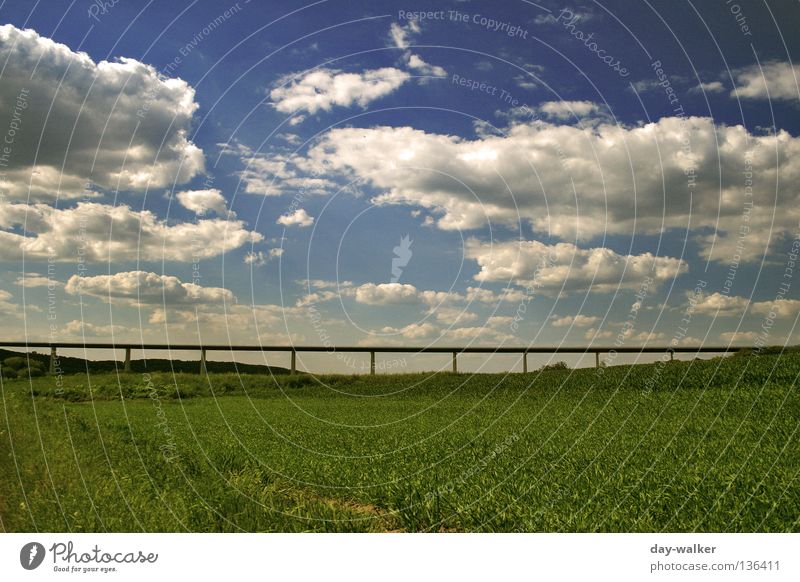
point(683, 446)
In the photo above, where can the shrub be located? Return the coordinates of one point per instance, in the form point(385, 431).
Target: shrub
point(8, 373)
point(15, 363)
point(19, 363)
point(555, 366)
point(32, 372)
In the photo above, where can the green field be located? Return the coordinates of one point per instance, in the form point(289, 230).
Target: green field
point(682, 446)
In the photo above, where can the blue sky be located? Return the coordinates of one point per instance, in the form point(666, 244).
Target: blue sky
point(246, 172)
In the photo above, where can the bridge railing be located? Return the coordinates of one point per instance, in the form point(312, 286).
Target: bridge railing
point(372, 350)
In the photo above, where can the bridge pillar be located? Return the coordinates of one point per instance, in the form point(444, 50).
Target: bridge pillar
point(455, 362)
point(372, 363)
point(525, 363)
point(203, 361)
point(53, 358)
point(293, 369)
point(127, 367)
point(597, 359)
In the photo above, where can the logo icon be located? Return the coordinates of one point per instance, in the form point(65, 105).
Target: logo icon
point(31, 555)
point(402, 255)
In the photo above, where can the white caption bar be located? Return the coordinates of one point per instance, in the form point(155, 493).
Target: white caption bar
point(354, 557)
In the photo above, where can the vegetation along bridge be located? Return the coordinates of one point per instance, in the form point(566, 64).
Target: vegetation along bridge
point(454, 351)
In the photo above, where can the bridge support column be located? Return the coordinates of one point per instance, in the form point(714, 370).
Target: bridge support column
point(597, 359)
point(525, 363)
point(203, 361)
point(127, 367)
point(372, 363)
point(455, 362)
point(53, 358)
point(293, 369)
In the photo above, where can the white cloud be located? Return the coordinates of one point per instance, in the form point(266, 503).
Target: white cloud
point(83, 328)
point(297, 218)
point(400, 37)
point(400, 34)
point(712, 87)
point(142, 288)
point(570, 110)
point(260, 258)
point(565, 266)
point(484, 334)
point(578, 183)
point(786, 308)
point(276, 174)
point(386, 294)
point(739, 337)
point(719, 305)
point(576, 321)
point(416, 63)
point(119, 124)
point(202, 201)
point(324, 89)
point(593, 333)
point(7, 307)
point(37, 280)
point(773, 80)
point(452, 315)
point(113, 233)
point(413, 330)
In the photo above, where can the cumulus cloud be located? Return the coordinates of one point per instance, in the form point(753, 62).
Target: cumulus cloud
point(103, 233)
point(578, 183)
point(324, 89)
point(84, 328)
point(117, 124)
point(570, 110)
point(400, 34)
point(712, 87)
point(297, 218)
point(413, 330)
point(387, 294)
point(274, 174)
point(400, 38)
point(773, 80)
point(260, 258)
point(7, 306)
point(564, 266)
point(719, 305)
point(785, 308)
point(202, 201)
point(416, 63)
point(576, 321)
point(739, 337)
point(142, 288)
point(37, 280)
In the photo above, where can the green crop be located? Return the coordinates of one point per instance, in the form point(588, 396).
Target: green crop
point(681, 446)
